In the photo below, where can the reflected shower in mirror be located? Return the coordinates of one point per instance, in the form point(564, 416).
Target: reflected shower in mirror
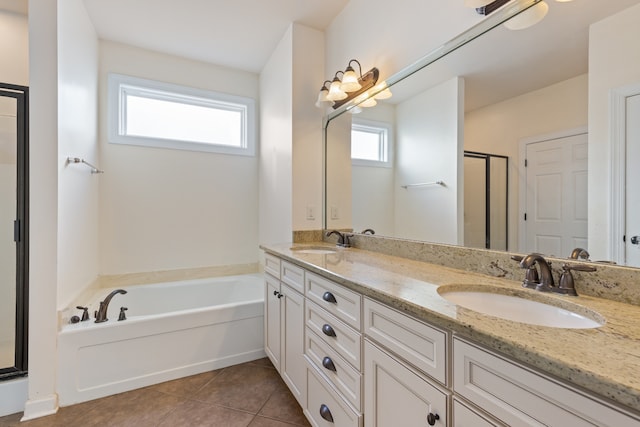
point(501, 93)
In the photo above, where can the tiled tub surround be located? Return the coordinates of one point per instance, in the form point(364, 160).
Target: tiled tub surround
point(605, 360)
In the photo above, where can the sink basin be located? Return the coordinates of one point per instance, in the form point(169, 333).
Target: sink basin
point(521, 306)
point(322, 250)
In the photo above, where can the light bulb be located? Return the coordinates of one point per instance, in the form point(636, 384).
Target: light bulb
point(335, 92)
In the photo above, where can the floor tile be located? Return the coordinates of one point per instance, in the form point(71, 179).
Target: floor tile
point(283, 406)
point(244, 387)
point(191, 414)
point(186, 386)
point(263, 362)
point(259, 421)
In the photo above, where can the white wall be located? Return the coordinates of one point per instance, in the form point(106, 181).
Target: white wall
point(163, 209)
point(78, 189)
point(392, 35)
point(614, 62)
point(43, 204)
point(429, 148)
point(307, 126)
point(498, 128)
point(276, 144)
point(14, 46)
point(373, 187)
point(339, 180)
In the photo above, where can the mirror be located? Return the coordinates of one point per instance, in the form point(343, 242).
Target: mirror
point(506, 94)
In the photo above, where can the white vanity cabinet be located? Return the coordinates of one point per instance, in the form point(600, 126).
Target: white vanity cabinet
point(284, 323)
point(333, 350)
point(396, 393)
point(519, 396)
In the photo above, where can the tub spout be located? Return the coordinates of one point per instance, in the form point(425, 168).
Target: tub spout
point(101, 315)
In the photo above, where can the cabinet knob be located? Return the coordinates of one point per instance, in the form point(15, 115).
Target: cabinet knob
point(432, 418)
point(328, 364)
point(329, 297)
point(280, 295)
point(326, 413)
point(328, 330)
point(275, 293)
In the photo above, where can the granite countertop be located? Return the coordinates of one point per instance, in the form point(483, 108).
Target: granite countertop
point(604, 360)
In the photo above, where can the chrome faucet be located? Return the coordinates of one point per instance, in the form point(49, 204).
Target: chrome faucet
point(343, 238)
point(101, 314)
point(578, 253)
point(546, 277)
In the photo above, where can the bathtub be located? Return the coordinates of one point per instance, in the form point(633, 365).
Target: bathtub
point(172, 330)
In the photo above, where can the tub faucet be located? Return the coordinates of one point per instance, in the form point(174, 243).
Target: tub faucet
point(343, 238)
point(578, 253)
point(101, 314)
point(546, 277)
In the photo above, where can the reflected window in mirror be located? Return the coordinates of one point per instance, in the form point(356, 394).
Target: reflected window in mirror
point(371, 143)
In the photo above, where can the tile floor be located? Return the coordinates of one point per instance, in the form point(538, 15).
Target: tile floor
point(248, 395)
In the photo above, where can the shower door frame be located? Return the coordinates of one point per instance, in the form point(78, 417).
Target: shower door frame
point(487, 170)
point(21, 231)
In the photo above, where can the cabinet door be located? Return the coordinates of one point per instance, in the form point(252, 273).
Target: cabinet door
point(396, 395)
point(272, 319)
point(292, 364)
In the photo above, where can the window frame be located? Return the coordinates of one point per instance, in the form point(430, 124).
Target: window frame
point(387, 144)
point(120, 85)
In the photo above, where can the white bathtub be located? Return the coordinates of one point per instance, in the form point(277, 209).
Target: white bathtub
point(172, 330)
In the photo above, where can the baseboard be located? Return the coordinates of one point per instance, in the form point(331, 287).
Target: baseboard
point(40, 407)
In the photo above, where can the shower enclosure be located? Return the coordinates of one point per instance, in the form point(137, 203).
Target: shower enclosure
point(13, 229)
point(486, 200)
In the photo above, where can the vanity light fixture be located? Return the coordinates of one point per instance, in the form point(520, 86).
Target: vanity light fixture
point(342, 90)
point(323, 100)
point(476, 3)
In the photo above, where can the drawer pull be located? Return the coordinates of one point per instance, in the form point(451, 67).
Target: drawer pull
point(329, 297)
point(326, 413)
point(328, 364)
point(328, 330)
point(432, 418)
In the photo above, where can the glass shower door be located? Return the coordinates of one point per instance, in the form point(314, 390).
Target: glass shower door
point(8, 204)
point(13, 230)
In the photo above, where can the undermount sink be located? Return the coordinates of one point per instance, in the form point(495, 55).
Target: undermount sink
point(322, 250)
point(522, 306)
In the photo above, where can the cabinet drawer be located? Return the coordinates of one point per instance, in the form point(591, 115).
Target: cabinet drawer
point(342, 375)
point(292, 275)
point(463, 416)
point(520, 396)
point(418, 343)
point(321, 399)
point(396, 395)
point(344, 339)
point(272, 265)
point(336, 299)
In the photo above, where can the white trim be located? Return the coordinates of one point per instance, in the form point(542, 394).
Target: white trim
point(13, 396)
point(617, 134)
point(522, 173)
point(388, 127)
point(118, 84)
point(36, 408)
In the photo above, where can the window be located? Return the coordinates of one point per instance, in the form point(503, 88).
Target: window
point(370, 143)
point(155, 114)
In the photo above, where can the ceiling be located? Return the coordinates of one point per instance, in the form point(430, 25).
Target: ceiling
point(239, 34)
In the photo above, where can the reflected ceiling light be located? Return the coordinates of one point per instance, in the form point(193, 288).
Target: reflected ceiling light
point(382, 93)
point(323, 101)
point(355, 110)
point(343, 90)
point(529, 17)
point(476, 3)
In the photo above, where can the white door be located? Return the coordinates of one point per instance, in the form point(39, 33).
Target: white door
point(632, 226)
point(556, 195)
